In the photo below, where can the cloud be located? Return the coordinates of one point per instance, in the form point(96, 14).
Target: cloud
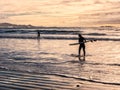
point(67, 11)
point(70, 1)
point(109, 21)
point(7, 15)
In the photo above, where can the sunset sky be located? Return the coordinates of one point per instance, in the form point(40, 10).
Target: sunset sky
point(60, 12)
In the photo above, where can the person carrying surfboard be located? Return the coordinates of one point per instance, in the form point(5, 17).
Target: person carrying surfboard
point(81, 40)
point(38, 34)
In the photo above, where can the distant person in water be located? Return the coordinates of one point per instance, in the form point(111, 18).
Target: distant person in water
point(81, 46)
point(38, 34)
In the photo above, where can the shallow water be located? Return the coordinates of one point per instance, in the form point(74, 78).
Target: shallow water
point(52, 54)
point(55, 57)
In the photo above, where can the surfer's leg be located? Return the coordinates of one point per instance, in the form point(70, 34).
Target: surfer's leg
point(79, 52)
point(84, 52)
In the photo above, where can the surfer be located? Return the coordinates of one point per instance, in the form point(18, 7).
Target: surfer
point(81, 46)
point(38, 34)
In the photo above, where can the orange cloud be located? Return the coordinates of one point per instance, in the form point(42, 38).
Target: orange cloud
point(60, 12)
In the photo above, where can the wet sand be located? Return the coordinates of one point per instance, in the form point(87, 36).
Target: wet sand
point(14, 80)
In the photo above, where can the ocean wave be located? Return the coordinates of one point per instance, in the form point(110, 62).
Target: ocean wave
point(57, 37)
point(59, 34)
point(42, 31)
point(114, 64)
point(84, 79)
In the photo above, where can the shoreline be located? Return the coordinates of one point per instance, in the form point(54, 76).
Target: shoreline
point(27, 80)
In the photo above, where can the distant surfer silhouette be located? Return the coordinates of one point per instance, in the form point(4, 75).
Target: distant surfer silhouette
point(38, 34)
point(81, 46)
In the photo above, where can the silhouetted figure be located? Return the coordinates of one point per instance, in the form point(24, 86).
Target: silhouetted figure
point(82, 41)
point(38, 42)
point(38, 33)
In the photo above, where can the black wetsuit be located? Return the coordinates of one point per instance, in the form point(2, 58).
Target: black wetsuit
point(82, 46)
point(38, 34)
point(81, 39)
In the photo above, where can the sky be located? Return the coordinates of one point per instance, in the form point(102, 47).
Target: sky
point(70, 13)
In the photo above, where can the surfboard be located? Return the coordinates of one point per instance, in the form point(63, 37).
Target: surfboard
point(82, 42)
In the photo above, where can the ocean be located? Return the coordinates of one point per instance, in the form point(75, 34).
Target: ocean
point(21, 50)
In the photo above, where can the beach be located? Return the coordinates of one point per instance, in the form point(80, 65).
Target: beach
point(14, 80)
point(48, 63)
